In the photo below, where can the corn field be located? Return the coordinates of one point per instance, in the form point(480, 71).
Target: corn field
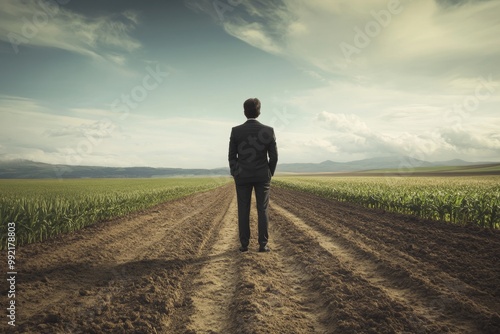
point(44, 208)
point(460, 200)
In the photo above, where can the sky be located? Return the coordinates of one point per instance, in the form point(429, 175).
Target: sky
point(161, 83)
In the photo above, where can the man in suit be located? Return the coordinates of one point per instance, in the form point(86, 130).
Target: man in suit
point(253, 156)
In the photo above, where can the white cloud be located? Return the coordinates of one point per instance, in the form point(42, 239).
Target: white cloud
point(465, 139)
point(397, 96)
point(255, 35)
point(411, 81)
point(98, 137)
point(416, 37)
point(259, 23)
point(23, 129)
point(369, 121)
point(47, 24)
point(398, 43)
point(351, 135)
point(344, 123)
point(132, 16)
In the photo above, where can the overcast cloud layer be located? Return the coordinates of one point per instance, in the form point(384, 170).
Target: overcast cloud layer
point(339, 80)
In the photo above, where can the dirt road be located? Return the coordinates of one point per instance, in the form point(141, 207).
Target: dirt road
point(334, 268)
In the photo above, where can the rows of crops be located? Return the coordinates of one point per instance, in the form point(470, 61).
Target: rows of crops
point(44, 208)
point(461, 200)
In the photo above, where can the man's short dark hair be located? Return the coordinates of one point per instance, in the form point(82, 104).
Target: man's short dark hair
point(252, 108)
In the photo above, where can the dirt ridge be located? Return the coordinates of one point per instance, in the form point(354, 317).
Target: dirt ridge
point(334, 268)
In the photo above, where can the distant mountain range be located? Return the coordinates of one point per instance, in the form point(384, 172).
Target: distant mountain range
point(403, 162)
point(26, 169)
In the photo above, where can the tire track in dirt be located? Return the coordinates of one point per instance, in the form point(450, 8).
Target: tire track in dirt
point(214, 288)
point(177, 269)
point(439, 293)
point(443, 244)
point(369, 270)
point(352, 305)
point(104, 236)
point(448, 248)
point(274, 293)
point(209, 230)
point(298, 286)
point(184, 249)
point(73, 283)
point(251, 292)
point(78, 266)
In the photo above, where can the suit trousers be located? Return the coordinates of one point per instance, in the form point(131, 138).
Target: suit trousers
point(244, 194)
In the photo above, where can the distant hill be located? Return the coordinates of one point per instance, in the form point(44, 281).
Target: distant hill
point(392, 164)
point(26, 169)
point(329, 166)
point(459, 162)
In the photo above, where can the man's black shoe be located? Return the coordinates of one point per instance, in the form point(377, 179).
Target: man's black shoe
point(264, 249)
point(244, 249)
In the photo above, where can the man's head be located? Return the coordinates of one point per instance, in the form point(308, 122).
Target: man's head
point(252, 108)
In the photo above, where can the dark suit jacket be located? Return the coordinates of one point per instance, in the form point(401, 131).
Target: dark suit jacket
point(250, 145)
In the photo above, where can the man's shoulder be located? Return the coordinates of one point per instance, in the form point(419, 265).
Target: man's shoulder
point(238, 126)
point(252, 127)
point(252, 124)
point(265, 128)
point(236, 129)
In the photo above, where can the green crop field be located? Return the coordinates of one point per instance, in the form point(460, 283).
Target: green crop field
point(44, 208)
point(460, 200)
point(473, 169)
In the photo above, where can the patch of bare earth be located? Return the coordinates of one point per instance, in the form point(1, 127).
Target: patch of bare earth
point(334, 268)
point(435, 277)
